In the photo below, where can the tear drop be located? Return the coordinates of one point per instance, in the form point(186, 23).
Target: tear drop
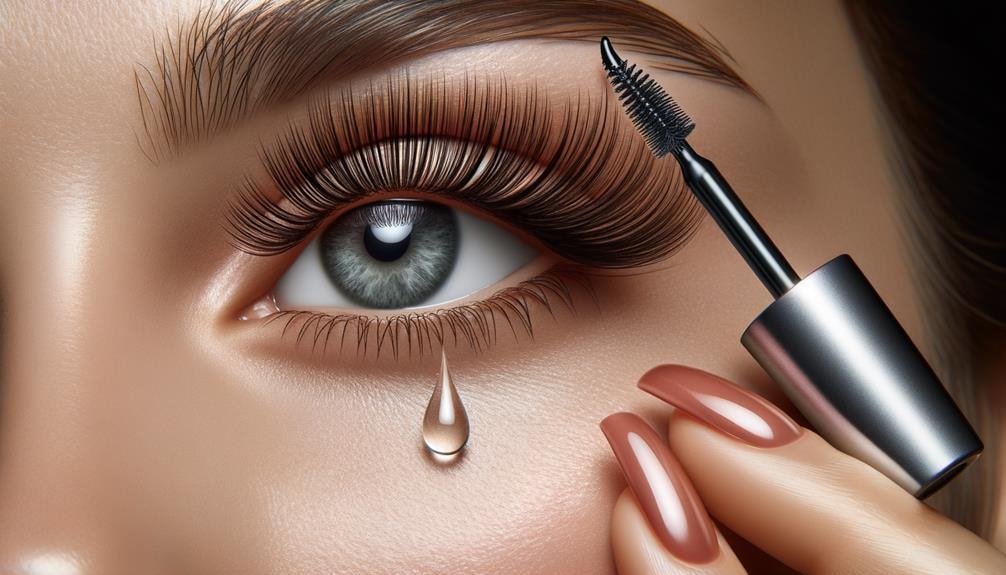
point(445, 426)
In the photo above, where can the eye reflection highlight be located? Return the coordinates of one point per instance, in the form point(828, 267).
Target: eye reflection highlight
point(387, 243)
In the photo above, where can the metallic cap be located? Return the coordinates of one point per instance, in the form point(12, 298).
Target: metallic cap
point(845, 362)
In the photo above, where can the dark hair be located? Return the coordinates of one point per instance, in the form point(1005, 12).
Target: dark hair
point(930, 66)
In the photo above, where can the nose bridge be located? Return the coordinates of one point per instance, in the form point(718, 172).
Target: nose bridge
point(50, 516)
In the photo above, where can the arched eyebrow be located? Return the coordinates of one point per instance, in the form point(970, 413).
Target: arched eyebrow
point(234, 59)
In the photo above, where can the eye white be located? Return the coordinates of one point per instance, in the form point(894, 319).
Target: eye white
point(487, 253)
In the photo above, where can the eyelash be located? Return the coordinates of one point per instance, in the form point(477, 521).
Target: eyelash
point(583, 190)
point(474, 324)
point(484, 148)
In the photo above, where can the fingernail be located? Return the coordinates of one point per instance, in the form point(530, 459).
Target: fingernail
point(722, 405)
point(667, 497)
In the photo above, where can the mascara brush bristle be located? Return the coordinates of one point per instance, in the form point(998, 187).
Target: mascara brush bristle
point(656, 115)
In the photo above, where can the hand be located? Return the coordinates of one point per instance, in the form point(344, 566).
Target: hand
point(776, 484)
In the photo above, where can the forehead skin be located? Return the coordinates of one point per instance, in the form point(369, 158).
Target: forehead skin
point(143, 430)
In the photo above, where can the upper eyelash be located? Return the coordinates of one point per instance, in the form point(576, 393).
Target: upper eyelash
point(475, 324)
point(586, 192)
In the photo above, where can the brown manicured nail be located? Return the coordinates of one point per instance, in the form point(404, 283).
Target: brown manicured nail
point(667, 497)
point(722, 405)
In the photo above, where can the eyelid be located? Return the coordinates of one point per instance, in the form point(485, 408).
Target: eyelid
point(524, 236)
point(475, 323)
point(595, 197)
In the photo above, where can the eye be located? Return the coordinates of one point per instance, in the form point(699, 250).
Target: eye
point(561, 171)
point(401, 253)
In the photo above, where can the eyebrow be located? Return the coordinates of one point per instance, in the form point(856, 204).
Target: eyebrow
point(235, 59)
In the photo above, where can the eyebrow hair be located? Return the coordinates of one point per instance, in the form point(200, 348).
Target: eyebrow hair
point(234, 59)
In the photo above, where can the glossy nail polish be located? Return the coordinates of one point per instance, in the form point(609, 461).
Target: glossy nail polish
point(721, 405)
point(664, 492)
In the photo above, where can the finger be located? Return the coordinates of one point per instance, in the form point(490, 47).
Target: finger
point(660, 527)
point(788, 491)
point(638, 551)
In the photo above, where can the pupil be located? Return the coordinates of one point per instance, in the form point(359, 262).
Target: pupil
point(387, 243)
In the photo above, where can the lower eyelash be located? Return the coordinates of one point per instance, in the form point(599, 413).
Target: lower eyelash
point(476, 324)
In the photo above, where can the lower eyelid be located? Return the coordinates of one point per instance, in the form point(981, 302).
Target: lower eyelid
point(508, 313)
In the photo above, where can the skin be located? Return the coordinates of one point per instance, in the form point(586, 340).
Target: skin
point(144, 429)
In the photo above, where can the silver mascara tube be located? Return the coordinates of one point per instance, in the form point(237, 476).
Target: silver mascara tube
point(828, 339)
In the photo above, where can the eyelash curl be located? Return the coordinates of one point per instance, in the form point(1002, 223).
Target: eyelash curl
point(567, 173)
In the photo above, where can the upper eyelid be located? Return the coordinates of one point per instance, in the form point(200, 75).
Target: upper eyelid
point(332, 112)
point(231, 60)
point(601, 200)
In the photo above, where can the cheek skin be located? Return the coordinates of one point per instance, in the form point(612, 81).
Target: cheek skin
point(132, 427)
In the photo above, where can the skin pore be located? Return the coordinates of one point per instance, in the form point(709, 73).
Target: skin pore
point(144, 428)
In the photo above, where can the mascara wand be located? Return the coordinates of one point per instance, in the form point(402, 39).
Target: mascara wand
point(828, 339)
point(665, 126)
